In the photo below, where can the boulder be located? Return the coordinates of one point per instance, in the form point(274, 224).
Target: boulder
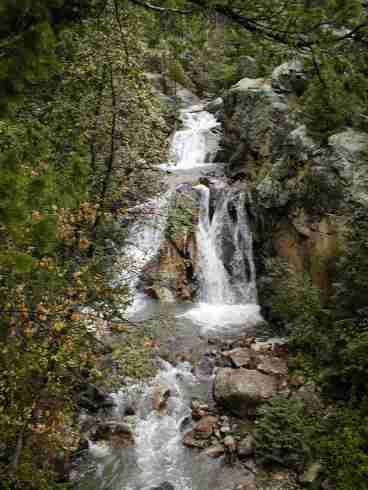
point(214, 105)
point(215, 451)
point(190, 440)
point(199, 409)
point(290, 77)
point(205, 427)
point(116, 434)
point(272, 365)
point(241, 390)
point(241, 357)
point(161, 394)
point(246, 446)
point(164, 294)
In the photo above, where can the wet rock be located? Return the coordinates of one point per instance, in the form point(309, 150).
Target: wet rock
point(215, 105)
point(225, 429)
point(184, 425)
point(215, 451)
point(164, 294)
point(116, 434)
point(260, 347)
point(240, 357)
point(241, 390)
point(160, 396)
point(272, 365)
point(246, 446)
point(164, 486)
point(230, 443)
point(190, 440)
point(311, 474)
point(199, 409)
point(205, 427)
point(129, 410)
point(131, 421)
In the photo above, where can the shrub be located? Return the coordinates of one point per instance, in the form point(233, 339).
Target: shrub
point(284, 432)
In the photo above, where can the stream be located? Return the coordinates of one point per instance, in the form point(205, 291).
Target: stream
point(226, 305)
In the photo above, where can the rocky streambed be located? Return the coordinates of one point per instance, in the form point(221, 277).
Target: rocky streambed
point(194, 426)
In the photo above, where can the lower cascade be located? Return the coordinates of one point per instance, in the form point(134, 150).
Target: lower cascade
point(228, 291)
point(152, 455)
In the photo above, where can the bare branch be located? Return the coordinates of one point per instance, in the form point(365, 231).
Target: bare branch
point(162, 10)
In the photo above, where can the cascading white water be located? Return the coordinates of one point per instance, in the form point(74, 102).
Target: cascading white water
point(142, 245)
point(196, 143)
point(219, 285)
point(227, 277)
point(214, 279)
point(228, 297)
point(158, 455)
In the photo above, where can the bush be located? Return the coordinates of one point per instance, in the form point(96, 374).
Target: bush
point(284, 431)
point(343, 449)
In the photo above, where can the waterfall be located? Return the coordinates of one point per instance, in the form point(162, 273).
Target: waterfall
point(214, 279)
point(228, 303)
point(231, 279)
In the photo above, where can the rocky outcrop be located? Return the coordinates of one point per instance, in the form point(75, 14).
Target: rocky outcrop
point(171, 275)
point(301, 190)
point(290, 77)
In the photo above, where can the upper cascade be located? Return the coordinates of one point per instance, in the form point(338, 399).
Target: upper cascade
point(221, 254)
point(196, 143)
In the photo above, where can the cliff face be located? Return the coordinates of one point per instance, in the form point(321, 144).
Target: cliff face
point(303, 193)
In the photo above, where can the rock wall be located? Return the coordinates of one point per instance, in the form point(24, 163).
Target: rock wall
point(302, 192)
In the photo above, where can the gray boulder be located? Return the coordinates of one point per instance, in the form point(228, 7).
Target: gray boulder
point(290, 77)
point(246, 446)
point(241, 390)
point(214, 105)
